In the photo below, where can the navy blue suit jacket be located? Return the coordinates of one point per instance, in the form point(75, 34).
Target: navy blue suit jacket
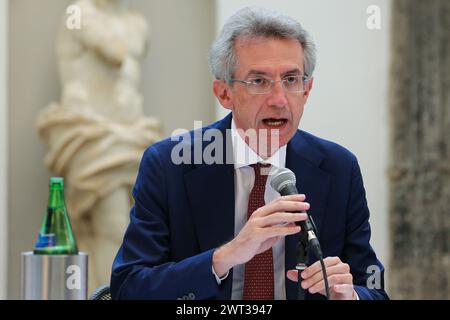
point(182, 213)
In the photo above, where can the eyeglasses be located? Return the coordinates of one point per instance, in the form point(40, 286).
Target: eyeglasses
point(262, 85)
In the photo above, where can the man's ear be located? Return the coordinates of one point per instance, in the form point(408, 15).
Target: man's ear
point(223, 93)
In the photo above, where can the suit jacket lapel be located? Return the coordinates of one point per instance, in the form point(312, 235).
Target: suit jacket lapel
point(210, 191)
point(304, 160)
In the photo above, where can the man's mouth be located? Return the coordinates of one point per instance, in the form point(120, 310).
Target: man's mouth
point(274, 123)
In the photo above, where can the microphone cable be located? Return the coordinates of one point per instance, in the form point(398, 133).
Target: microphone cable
point(284, 182)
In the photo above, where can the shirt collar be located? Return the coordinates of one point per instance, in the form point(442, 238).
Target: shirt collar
point(244, 156)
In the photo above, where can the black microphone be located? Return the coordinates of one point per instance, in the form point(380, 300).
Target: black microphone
point(283, 181)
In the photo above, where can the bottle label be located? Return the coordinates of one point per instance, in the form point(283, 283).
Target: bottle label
point(46, 240)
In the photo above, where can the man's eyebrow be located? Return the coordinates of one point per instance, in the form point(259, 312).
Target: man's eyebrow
point(295, 71)
point(257, 73)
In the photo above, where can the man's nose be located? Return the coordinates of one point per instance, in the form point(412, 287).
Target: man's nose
point(278, 96)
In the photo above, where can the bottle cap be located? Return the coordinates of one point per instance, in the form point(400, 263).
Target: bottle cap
point(56, 181)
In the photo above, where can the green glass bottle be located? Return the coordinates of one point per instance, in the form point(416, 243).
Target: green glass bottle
point(56, 236)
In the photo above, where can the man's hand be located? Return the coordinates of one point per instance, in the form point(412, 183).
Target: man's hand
point(340, 280)
point(263, 229)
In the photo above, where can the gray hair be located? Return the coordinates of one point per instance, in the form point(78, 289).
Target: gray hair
point(255, 22)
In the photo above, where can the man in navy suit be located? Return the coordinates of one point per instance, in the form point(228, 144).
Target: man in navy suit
point(190, 234)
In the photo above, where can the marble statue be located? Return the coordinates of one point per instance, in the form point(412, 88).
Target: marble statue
point(97, 133)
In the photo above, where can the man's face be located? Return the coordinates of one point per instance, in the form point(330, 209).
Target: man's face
point(279, 112)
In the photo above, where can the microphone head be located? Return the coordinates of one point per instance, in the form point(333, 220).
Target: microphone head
point(282, 177)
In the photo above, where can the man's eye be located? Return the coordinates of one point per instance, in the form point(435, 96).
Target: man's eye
point(291, 79)
point(259, 82)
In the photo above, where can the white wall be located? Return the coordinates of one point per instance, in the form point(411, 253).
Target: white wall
point(3, 146)
point(348, 103)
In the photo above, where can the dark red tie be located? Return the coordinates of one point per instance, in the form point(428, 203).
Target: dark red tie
point(258, 277)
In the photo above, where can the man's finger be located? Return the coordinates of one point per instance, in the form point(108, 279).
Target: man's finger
point(343, 292)
point(332, 280)
point(317, 267)
point(280, 231)
point(292, 275)
point(281, 206)
point(282, 218)
point(340, 268)
point(343, 288)
point(292, 197)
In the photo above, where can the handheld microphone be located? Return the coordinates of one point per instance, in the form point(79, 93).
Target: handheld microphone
point(283, 181)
